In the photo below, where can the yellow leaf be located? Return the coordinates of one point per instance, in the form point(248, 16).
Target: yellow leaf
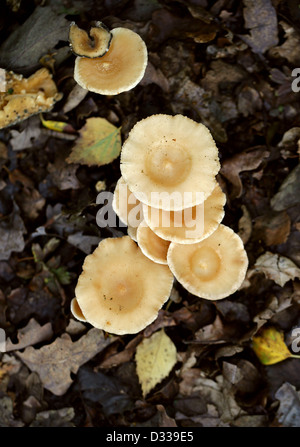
point(58, 126)
point(99, 143)
point(269, 346)
point(155, 358)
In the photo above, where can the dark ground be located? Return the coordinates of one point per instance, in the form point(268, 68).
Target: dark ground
point(227, 64)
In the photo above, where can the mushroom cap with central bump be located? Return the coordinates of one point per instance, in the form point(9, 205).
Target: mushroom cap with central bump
point(170, 162)
point(119, 70)
point(120, 290)
point(190, 225)
point(213, 268)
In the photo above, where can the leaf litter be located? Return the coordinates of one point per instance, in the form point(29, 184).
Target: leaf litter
point(229, 66)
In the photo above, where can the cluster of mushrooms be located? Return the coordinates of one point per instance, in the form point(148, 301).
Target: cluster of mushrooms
point(167, 195)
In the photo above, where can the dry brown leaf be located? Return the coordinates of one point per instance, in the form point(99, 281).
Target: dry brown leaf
point(278, 268)
point(247, 160)
point(54, 363)
point(29, 335)
point(273, 228)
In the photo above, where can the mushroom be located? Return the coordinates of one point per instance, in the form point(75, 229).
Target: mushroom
point(120, 290)
point(191, 224)
point(126, 206)
point(76, 311)
point(120, 69)
point(94, 44)
point(213, 268)
point(170, 162)
point(24, 97)
point(152, 246)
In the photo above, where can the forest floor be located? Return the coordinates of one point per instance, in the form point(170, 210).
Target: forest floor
point(228, 64)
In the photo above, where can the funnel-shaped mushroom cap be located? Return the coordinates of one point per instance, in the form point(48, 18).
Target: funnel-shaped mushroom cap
point(170, 162)
point(121, 290)
point(191, 224)
point(120, 69)
point(94, 44)
point(212, 269)
point(152, 246)
point(126, 206)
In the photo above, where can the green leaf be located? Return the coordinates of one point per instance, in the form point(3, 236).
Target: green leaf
point(155, 358)
point(99, 143)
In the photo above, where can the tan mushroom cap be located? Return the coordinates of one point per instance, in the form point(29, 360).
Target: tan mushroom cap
point(94, 44)
point(76, 311)
point(126, 206)
point(152, 246)
point(171, 157)
point(119, 70)
point(190, 225)
point(132, 232)
point(212, 269)
point(26, 96)
point(121, 290)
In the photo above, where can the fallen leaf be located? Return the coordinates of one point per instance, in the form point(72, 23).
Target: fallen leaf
point(245, 225)
point(269, 346)
point(55, 418)
point(288, 413)
point(11, 235)
point(6, 413)
point(164, 419)
point(111, 392)
point(38, 35)
point(83, 242)
point(273, 227)
point(57, 126)
point(74, 98)
point(289, 48)
point(289, 191)
point(155, 358)
point(54, 363)
point(99, 143)
point(278, 268)
point(261, 19)
point(247, 160)
point(31, 334)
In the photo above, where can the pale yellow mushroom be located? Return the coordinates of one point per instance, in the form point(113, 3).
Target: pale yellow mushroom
point(126, 206)
point(213, 268)
point(152, 246)
point(191, 224)
point(170, 162)
point(23, 97)
point(93, 44)
point(120, 69)
point(76, 311)
point(120, 290)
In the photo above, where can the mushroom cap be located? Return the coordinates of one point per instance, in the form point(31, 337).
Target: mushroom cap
point(213, 268)
point(126, 206)
point(94, 44)
point(76, 311)
point(27, 96)
point(120, 290)
point(154, 247)
point(132, 232)
point(120, 69)
point(170, 162)
point(191, 224)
